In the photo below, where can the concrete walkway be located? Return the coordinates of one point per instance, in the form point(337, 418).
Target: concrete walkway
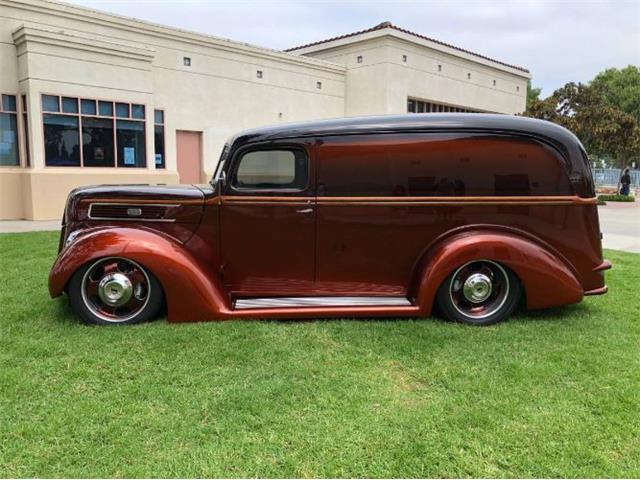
point(619, 223)
point(12, 226)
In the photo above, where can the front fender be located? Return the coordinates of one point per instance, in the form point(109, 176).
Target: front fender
point(192, 291)
point(547, 280)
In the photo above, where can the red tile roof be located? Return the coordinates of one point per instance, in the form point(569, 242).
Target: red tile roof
point(390, 25)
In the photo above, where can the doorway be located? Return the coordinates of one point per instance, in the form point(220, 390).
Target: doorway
point(189, 155)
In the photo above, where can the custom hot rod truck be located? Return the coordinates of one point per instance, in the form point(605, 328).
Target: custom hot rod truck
point(360, 217)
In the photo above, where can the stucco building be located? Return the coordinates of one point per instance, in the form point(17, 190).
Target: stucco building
point(90, 97)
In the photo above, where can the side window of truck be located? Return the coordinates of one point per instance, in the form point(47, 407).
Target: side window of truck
point(278, 169)
point(440, 165)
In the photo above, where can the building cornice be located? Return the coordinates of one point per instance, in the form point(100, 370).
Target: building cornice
point(25, 35)
point(391, 31)
point(97, 17)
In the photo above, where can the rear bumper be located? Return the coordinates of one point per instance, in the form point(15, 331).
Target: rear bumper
point(605, 265)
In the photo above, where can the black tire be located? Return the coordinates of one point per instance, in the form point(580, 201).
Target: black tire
point(89, 312)
point(454, 293)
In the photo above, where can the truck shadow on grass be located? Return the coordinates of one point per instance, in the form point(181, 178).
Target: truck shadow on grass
point(65, 315)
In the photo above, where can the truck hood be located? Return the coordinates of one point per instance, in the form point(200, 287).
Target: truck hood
point(162, 193)
point(145, 203)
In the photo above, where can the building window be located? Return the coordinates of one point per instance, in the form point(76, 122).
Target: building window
point(359, 59)
point(61, 140)
point(97, 142)
point(9, 155)
point(517, 88)
point(131, 144)
point(494, 83)
point(259, 73)
point(92, 133)
point(25, 128)
point(105, 109)
point(158, 135)
point(439, 68)
point(186, 61)
point(468, 76)
point(50, 103)
point(419, 106)
point(404, 58)
point(319, 85)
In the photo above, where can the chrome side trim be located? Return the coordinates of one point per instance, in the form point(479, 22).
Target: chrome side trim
point(284, 302)
point(132, 205)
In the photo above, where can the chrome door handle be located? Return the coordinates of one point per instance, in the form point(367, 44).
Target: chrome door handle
point(305, 210)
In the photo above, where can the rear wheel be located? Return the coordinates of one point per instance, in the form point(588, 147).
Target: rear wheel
point(480, 292)
point(115, 290)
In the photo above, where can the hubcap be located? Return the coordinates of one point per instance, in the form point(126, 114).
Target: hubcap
point(479, 289)
point(115, 289)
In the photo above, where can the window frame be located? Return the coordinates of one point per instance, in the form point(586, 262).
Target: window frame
point(232, 170)
point(164, 138)
point(18, 114)
point(24, 116)
point(113, 117)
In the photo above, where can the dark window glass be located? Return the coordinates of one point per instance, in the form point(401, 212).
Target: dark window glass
point(440, 165)
point(88, 107)
point(411, 106)
point(9, 103)
point(61, 141)
point(105, 109)
point(9, 139)
point(137, 111)
point(122, 110)
point(25, 121)
point(69, 105)
point(159, 146)
point(420, 107)
point(97, 142)
point(158, 116)
point(50, 103)
point(131, 143)
point(272, 169)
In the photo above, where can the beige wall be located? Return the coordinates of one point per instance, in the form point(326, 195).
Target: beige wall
point(391, 81)
point(60, 49)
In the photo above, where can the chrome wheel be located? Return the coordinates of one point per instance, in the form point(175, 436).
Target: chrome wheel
point(479, 289)
point(115, 289)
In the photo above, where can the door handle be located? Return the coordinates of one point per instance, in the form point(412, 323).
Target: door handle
point(305, 210)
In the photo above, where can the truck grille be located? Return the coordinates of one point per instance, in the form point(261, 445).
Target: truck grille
point(122, 211)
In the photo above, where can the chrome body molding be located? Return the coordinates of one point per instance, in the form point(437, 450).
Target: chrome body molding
point(133, 209)
point(297, 302)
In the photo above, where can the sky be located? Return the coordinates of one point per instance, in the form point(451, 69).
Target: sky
point(558, 41)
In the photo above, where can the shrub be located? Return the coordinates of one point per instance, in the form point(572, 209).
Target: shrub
point(615, 198)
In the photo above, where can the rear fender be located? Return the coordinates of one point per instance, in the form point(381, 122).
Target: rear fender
point(192, 291)
point(546, 279)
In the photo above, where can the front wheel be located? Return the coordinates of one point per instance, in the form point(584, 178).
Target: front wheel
point(480, 292)
point(115, 290)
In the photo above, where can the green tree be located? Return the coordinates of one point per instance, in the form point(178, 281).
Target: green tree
point(621, 88)
point(603, 128)
point(533, 94)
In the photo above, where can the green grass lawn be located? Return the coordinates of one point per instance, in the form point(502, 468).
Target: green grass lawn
point(548, 394)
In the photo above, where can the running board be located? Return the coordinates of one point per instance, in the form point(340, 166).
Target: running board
point(293, 302)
